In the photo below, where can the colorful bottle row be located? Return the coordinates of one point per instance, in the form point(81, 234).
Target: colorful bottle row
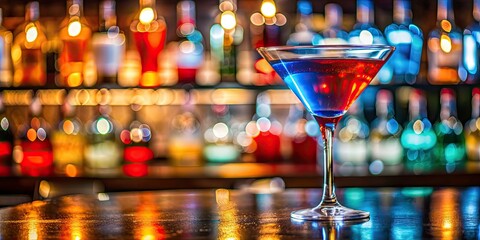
point(221, 137)
point(79, 57)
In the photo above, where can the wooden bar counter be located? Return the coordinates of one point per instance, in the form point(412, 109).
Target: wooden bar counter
point(396, 213)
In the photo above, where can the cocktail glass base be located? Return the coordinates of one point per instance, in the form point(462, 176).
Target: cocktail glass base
point(327, 212)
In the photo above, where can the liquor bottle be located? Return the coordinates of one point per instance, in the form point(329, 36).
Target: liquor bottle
point(386, 131)
point(303, 34)
point(190, 47)
point(266, 31)
point(75, 35)
point(29, 61)
point(225, 37)
point(472, 128)
point(149, 31)
point(418, 137)
point(219, 136)
point(365, 32)
point(334, 33)
point(108, 44)
point(265, 131)
point(407, 38)
point(136, 139)
point(450, 146)
point(35, 141)
point(444, 47)
point(6, 137)
point(185, 143)
point(471, 45)
point(68, 140)
point(6, 38)
point(102, 150)
point(302, 131)
point(351, 141)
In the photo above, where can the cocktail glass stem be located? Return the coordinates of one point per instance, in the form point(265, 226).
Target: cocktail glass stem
point(329, 197)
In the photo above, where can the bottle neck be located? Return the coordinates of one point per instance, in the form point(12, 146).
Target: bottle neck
point(74, 8)
point(384, 106)
point(445, 10)
point(32, 12)
point(402, 14)
point(365, 12)
point(108, 18)
point(185, 18)
point(334, 15)
point(448, 107)
point(147, 4)
point(1, 16)
point(476, 105)
point(418, 107)
point(304, 11)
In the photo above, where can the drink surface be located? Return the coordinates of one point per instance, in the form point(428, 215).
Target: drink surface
point(327, 86)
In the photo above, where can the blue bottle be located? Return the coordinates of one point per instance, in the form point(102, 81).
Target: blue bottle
point(365, 32)
point(471, 44)
point(334, 33)
point(303, 34)
point(408, 40)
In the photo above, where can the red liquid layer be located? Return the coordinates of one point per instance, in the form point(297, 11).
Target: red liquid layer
point(327, 86)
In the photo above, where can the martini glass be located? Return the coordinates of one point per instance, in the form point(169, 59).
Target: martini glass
point(327, 79)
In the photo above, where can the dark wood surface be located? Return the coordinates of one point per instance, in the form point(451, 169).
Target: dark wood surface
point(396, 213)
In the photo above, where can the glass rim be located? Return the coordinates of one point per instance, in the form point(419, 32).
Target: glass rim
point(327, 47)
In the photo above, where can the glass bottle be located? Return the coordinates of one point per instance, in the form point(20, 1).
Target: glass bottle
point(136, 139)
point(219, 136)
point(103, 150)
point(225, 37)
point(75, 34)
point(149, 31)
point(68, 140)
point(6, 137)
point(108, 44)
point(351, 142)
point(450, 148)
point(302, 131)
point(6, 38)
point(265, 31)
point(190, 47)
point(29, 61)
point(185, 143)
point(35, 141)
point(408, 40)
point(303, 34)
point(334, 33)
point(386, 131)
point(472, 128)
point(365, 32)
point(418, 137)
point(444, 47)
point(471, 45)
point(265, 131)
